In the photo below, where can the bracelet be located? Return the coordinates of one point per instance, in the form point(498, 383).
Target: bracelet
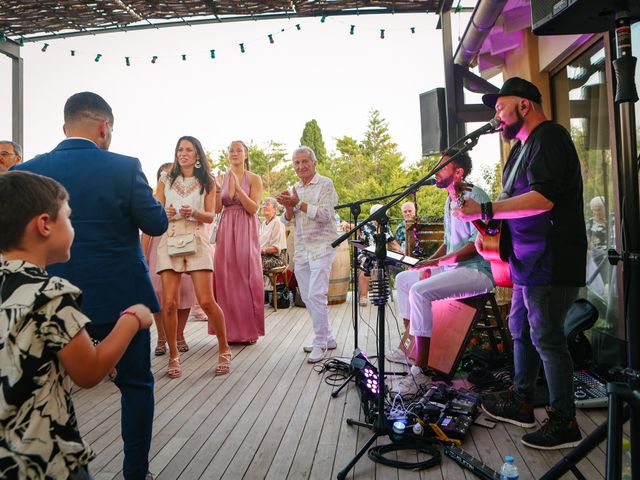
point(131, 312)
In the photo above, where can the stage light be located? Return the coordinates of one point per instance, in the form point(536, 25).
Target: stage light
point(366, 375)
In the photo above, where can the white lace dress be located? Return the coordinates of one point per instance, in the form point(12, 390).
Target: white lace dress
point(185, 191)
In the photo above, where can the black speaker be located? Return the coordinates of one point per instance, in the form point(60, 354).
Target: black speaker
point(433, 120)
point(563, 17)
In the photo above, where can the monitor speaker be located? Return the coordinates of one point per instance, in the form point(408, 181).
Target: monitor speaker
point(564, 17)
point(433, 120)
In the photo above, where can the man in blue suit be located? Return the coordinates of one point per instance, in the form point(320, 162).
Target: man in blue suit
point(110, 199)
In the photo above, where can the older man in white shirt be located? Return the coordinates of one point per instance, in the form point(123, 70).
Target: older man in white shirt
point(310, 207)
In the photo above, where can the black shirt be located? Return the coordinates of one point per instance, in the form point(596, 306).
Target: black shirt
point(549, 248)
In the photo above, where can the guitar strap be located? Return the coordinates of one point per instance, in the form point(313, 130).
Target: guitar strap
point(507, 189)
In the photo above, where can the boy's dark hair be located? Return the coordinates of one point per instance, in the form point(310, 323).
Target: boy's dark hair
point(87, 105)
point(462, 161)
point(23, 196)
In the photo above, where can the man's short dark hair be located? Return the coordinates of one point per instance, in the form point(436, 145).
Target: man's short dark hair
point(462, 161)
point(23, 196)
point(87, 105)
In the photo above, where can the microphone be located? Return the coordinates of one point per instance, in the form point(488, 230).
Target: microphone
point(491, 126)
point(429, 183)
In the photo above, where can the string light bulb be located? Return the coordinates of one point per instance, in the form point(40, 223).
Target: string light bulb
point(184, 57)
point(352, 29)
point(98, 57)
point(127, 61)
point(413, 29)
point(270, 38)
point(212, 53)
point(73, 53)
point(298, 27)
point(382, 33)
point(44, 47)
point(154, 59)
point(242, 48)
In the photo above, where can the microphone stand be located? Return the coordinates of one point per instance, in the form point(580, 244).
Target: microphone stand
point(354, 211)
point(380, 293)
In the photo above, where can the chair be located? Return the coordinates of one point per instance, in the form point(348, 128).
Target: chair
point(429, 235)
point(273, 277)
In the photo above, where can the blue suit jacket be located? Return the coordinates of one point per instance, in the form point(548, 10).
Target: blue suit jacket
point(110, 200)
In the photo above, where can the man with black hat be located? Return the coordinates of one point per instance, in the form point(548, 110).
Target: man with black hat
point(543, 209)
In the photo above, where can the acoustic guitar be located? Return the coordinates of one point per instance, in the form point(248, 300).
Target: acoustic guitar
point(496, 243)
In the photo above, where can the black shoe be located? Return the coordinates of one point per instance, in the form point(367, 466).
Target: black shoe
point(512, 410)
point(554, 434)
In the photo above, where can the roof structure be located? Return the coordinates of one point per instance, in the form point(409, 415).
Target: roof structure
point(31, 20)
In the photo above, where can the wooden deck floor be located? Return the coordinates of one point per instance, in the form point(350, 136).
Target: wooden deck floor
point(273, 416)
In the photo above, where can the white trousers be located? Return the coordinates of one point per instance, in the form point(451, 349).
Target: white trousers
point(313, 280)
point(415, 295)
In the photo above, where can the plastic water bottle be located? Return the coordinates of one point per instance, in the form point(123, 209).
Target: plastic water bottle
point(338, 229)
point(626, 459)
point(290, 298)
point(509, 471)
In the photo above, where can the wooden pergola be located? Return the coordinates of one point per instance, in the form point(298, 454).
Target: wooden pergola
point(22, 22)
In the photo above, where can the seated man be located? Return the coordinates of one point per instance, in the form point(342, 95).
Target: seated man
point(366, 261)
point(455, 270)
point(409, 215)
point(273, 240)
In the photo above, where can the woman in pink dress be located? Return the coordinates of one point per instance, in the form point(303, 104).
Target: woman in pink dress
point(238, 283)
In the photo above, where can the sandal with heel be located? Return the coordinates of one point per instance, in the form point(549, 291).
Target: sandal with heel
point(174, 370)
point(224, 363)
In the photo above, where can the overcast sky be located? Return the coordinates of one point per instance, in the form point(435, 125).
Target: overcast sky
point(267, 93)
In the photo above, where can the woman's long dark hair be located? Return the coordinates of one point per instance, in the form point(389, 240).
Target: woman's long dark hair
point(202, 173)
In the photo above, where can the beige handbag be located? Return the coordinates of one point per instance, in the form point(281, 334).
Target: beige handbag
point(181, 245)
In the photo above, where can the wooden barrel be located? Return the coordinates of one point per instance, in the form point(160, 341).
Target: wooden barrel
point(339, 279)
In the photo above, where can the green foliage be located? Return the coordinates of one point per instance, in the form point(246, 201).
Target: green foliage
point(312, 138)
point(492, 176)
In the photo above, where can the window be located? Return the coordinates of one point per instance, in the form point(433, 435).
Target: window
point(580, 99)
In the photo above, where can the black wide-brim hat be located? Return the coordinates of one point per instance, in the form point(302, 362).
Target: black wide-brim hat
point(514, 87)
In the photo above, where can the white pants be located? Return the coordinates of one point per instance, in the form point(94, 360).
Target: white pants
point(313, 280)
point(415, 295)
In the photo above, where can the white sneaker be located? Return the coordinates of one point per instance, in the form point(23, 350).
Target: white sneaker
point(397, 356)
point(331, 345)
point(410, 384)
point(316, 355)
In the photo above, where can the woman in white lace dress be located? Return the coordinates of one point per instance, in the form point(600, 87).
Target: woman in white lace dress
point(188, 195)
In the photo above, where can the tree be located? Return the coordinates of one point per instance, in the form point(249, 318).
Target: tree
point(312, 138)
point(370, 168)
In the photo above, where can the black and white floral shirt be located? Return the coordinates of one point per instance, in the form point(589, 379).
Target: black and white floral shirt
point(39, 315)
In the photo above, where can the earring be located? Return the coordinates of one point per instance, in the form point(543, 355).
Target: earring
point(198, 164)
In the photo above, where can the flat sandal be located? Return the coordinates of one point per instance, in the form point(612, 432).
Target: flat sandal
point(161, 349)
point(182, 346)
point(224, 363)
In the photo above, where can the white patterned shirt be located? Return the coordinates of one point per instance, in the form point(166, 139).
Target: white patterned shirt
point(39, 316)
point(316, 229)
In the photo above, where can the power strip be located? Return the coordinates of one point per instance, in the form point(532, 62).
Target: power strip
point(471, 463)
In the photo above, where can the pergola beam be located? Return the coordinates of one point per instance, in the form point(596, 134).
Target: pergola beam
point(12, 50)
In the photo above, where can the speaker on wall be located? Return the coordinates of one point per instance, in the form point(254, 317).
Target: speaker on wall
point(564, 17)
point(433, 121)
